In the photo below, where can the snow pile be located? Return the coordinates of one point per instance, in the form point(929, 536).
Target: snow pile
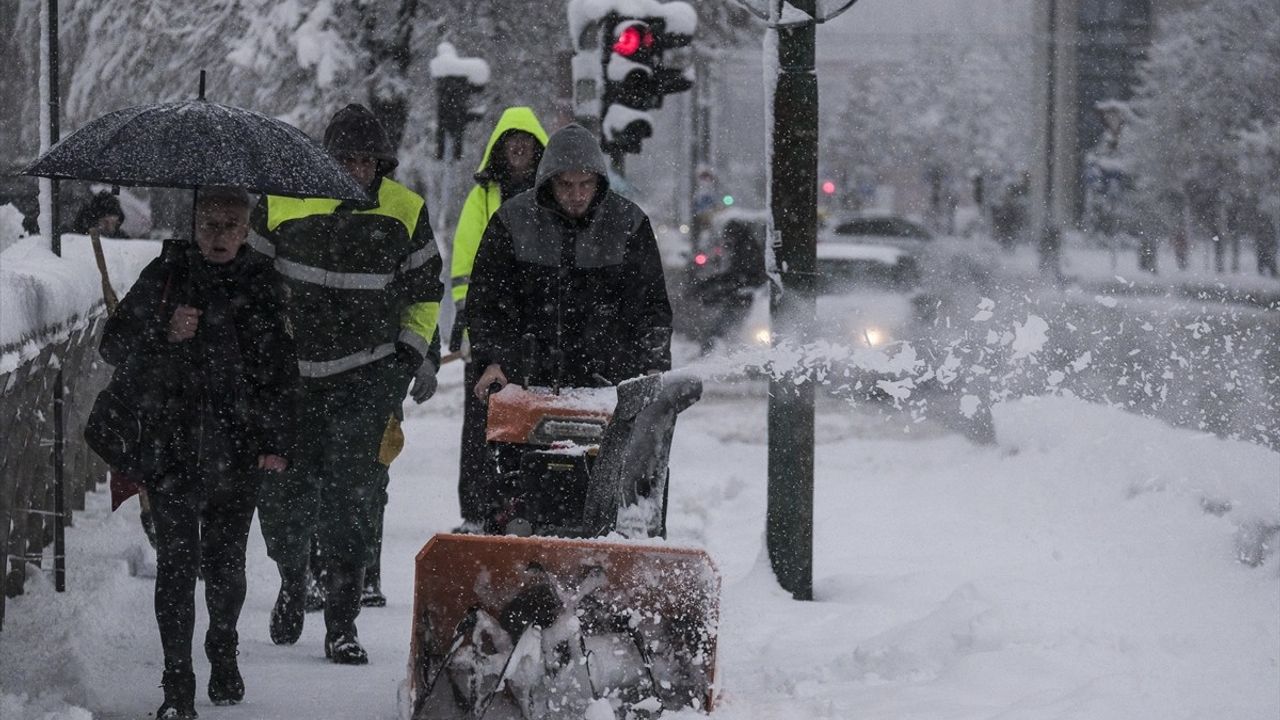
point(447, 63)
point(10, 226)
point(20, 707)
point(42, 295)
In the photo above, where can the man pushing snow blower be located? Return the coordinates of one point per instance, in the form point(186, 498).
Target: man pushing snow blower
point(568, 298)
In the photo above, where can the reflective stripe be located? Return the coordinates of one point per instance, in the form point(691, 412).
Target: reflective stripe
point(394, 201)
point(262, 245)
point(461, 280)
point(283, 209)
point(332, 278)
point(415, 341)
point(419, 258)
point(325, 368)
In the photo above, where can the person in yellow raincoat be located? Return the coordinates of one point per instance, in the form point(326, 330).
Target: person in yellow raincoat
point(507, 169)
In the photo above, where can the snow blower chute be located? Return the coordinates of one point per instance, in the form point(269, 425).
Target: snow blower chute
point(525, 626)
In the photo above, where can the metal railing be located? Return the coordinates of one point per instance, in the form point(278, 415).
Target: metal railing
point(28, 518)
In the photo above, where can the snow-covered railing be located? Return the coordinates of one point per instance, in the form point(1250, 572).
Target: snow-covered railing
point(51, 314)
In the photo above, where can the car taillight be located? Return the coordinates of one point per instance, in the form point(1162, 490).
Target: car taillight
point(700, 259)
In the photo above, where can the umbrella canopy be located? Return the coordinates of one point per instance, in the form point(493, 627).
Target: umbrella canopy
point(196, 143)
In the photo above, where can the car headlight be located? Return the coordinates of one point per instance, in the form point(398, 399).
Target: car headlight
point(874, 336)
point(763, 336)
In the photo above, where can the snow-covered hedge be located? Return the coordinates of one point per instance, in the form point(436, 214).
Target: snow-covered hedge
point(43, 296)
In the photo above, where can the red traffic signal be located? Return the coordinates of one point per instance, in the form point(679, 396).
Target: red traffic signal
point(632, 39)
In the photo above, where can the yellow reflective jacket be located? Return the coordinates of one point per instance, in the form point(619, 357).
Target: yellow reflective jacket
point(358, 278)
point(483, 201)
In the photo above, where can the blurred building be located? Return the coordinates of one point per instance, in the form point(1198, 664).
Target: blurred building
point(1098, 47)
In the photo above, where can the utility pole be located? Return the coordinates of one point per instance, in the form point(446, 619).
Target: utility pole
point(793, 200)
point(1055, 176)
point(54, 110)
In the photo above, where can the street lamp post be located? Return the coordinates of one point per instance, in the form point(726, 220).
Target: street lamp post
point(793, 202)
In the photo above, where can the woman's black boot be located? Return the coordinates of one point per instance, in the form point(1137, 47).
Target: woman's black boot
point(179, 685)
point(226, 686)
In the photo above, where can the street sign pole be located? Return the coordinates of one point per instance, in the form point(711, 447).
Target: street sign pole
point(793, 202)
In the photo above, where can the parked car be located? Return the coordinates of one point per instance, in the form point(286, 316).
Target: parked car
point(871, 251)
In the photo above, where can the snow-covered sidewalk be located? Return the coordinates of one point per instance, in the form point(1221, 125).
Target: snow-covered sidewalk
point(1085, 567)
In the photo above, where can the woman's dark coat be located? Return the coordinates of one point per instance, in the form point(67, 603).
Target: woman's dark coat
point(226, 395)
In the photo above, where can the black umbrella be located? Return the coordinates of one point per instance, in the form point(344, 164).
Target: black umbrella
point(196, 143)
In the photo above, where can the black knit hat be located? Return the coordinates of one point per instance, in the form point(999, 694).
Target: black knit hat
point(355, 130)
point(102, 204)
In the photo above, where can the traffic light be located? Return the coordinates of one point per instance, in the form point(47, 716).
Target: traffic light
point(635, 72)
point(627, 50)
point(458, 81)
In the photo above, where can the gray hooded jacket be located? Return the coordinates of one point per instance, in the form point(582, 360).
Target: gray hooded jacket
point(591, 288)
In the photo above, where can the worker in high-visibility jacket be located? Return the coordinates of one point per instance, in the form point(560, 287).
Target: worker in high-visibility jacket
point(508, 168)
point(362, 293)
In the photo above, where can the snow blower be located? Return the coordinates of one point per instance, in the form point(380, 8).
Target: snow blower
point(544, 621)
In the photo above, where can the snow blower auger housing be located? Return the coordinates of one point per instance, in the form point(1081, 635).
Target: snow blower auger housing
point(532, 628)
point(513, 627)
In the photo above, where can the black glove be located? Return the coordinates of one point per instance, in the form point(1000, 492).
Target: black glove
point(423, 370)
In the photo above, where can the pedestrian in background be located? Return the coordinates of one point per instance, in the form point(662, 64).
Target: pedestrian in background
point(102, 212)
point(507, 168)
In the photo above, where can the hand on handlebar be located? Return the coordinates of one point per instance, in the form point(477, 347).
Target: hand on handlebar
point(491, 376)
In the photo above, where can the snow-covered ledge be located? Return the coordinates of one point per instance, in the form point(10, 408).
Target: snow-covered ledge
point(44, 297)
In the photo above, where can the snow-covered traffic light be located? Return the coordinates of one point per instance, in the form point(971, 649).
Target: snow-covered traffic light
point(638, 72)
point(626, 57)
point(458, 81)
point(624, 63)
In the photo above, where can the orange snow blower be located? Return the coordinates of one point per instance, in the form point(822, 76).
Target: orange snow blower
point(543, 621)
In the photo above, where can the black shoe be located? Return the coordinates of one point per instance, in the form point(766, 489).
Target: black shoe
point(372, 595)
point(226, 686)
point(287, 616)
point(315, 594)
point(169, 711)
point(345, 649)
point(179, 696)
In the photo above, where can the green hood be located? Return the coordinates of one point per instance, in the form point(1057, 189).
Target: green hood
point(513, 118)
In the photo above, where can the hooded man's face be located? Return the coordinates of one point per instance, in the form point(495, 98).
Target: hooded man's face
point(518, 149)
point(363, 168)
point(574, 190)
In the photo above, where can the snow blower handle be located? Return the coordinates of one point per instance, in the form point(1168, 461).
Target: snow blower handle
point(557, 362)
point(530, 357)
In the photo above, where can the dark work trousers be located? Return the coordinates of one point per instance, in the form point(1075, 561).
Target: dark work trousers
point(475, 462)
point(205, 531)
point(336, 483)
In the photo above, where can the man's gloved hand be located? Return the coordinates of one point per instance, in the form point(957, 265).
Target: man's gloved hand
point(423, 369)
point(424, 382)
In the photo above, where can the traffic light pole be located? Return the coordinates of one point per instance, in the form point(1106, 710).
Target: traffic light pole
point(793, 201)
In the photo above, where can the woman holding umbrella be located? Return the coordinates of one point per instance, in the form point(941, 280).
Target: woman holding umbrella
point(200, 340)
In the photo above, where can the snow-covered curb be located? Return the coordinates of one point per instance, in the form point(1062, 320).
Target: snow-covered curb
point(44, 297)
